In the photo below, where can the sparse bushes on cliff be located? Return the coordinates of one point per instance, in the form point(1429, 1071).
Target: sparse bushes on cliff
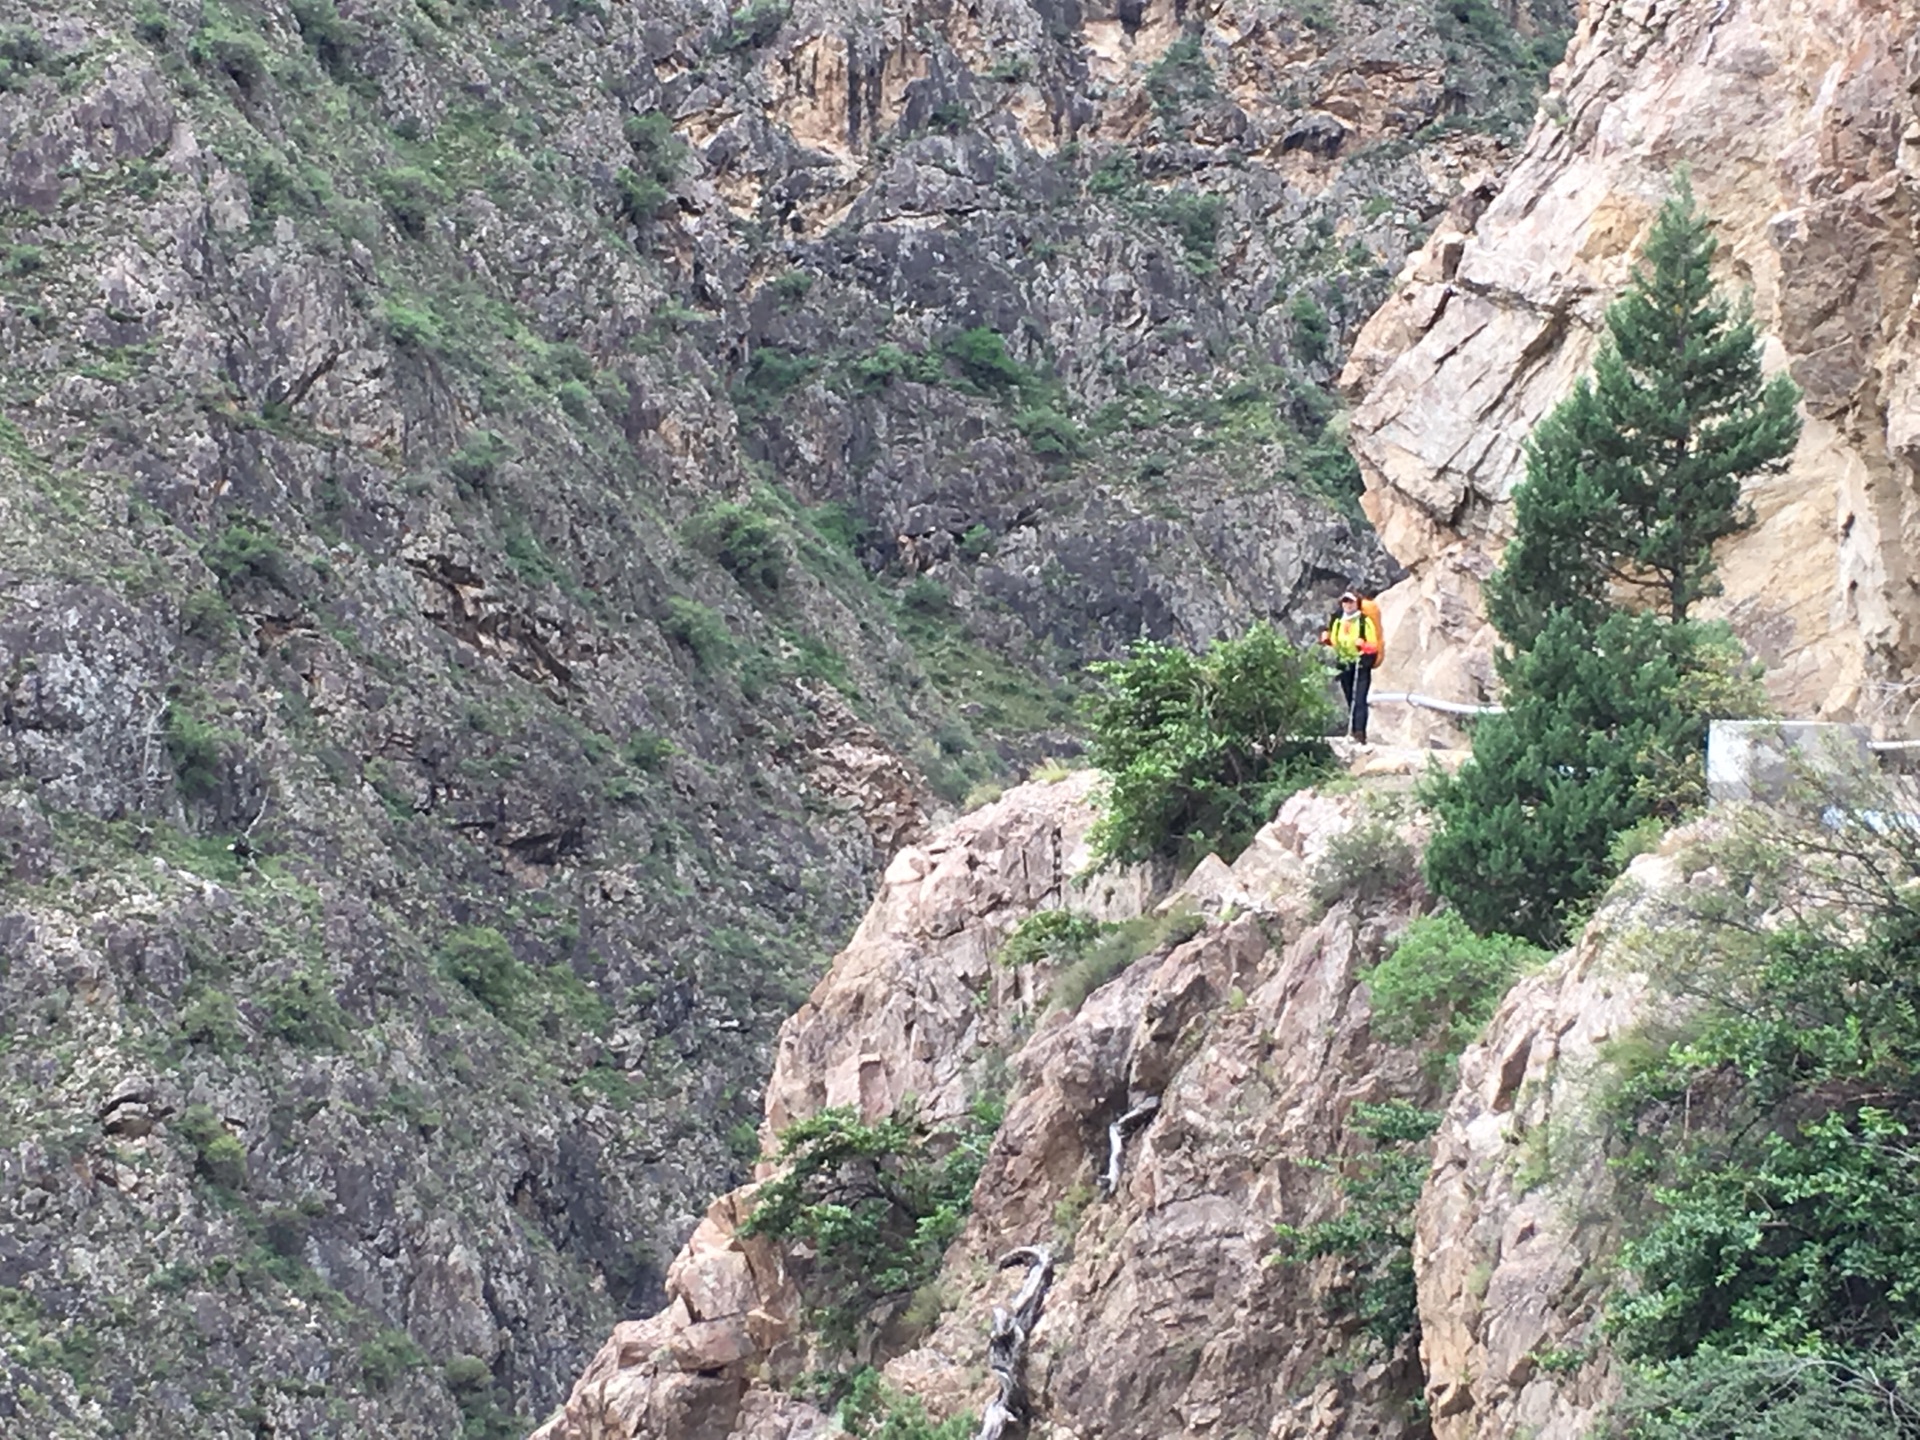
point(1778, 1268)
point(1373, 1231)
point(1200, 749)
point(1442, 982)
point(877, 1203)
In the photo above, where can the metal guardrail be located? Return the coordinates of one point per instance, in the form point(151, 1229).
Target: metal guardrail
point(1456, 707)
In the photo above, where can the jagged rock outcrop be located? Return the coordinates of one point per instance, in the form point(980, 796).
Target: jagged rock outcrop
point(1804, 143)
point(1163, 1317)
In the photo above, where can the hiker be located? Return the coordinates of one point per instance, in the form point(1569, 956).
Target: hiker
point(1355, 642)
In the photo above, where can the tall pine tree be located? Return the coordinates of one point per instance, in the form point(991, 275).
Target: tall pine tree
point(1630, 482)
point(1634, 477)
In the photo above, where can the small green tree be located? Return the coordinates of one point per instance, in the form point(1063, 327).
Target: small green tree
point(1199, 749)
point(877, 1203)
point(1636, 475)
point(1604, 728)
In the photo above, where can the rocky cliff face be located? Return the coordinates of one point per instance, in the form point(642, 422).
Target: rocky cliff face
point(509, 516)
point(1804, 143)
point(1166, 1315)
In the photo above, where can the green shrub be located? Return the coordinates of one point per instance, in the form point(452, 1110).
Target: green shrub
point(478, 958)
point(576, 399)
point(924, 595)
point(1370, 859)
point(198, 750)
point(1049, 432)
point(388, 1356)
point(770, 376)
point(478, 457)
point(211, 1019)
point(1116, 947)
point(301, 1010)
point(980, 355)
point(1373, 1232)
point(1443, 982)
point(643, 198)
point(206, 615)
point(1200, 749)
point(1116, 177)
point(1181, 78)
point(151, 24)
point(1772, 1394)
point(977, 543)
point(242, 58)
point(700, 629)
point(1603, 730)
point(244, 551)
point(412, 197)
point(1312, 331)
point(745, 543)
point(645, 750)
point(1195, 221)
point(332, 38)
point(754, 26)
point(791, 287)
point(1050, 934)
point(25, 259)
point(877, 1203)
point(217, 1155)
point(890, 362)
point(412, 328)
point(872, 1410)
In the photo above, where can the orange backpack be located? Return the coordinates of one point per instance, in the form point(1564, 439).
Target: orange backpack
point(1371, 609)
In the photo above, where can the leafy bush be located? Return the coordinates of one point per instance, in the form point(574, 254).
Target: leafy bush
point(388, 1356)
point(1373, 1232)
point(332, 38)
point(478, 958)
point(643, 198)
point(1312, 332)
point(478, 457)
point(1050, 934)
point(412, 197)
point(198, 750)
point(700, 629)
point(217, 1154)
point(878, 1204)
point(745, 543)
point(1770, 1394)
point(211, 1019)
point(890, 362)
point(1114, 948)
point(1049, 432)
point(1181, 78)
point(1372, 858)
point(244, 551)
point(873, 1410)
point(770, 376)
point(1195, 221)
point(754, 26)
point(1200, 749)
point(301, 1010)
point(411, 327)
point(980, 355)
point(1444, 982)
point(1117, 176)
point(242, 58)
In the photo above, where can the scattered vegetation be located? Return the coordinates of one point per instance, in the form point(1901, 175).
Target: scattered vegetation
point(878, 1204)
point(1200, 750)
point(1373, 1233)
point(1442, 982)
point(1774, 1127)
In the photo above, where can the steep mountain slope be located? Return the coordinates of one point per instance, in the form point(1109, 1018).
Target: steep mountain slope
point(1801, 140)
point(506, 515)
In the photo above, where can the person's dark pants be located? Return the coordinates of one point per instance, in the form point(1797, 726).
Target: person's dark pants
point(1355, 680)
